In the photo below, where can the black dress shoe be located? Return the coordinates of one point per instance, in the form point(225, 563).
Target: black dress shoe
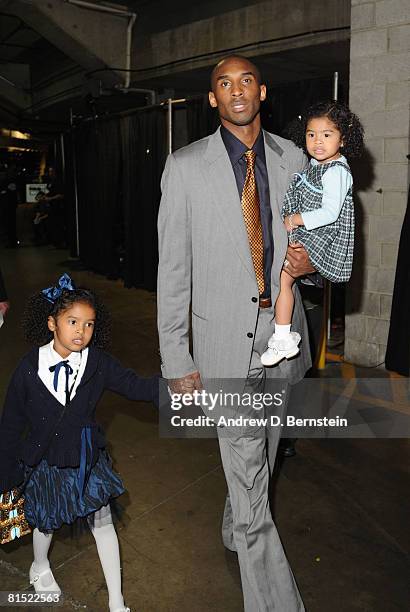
point(286, 447)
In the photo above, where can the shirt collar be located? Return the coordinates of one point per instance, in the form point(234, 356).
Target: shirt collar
point(54, 357)
point(236, 148)
point(314, 162)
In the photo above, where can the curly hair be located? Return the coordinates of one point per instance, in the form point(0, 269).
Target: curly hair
point(338, 113)
point(38, 309)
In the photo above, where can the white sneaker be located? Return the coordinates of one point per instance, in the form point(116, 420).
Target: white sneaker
point(122, 610)
point(39, 582)
point(282, 348)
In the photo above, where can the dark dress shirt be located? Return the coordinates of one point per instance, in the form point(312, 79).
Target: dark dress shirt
point(236, 149)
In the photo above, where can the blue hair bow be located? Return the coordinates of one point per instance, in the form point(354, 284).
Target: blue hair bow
point(53, 293)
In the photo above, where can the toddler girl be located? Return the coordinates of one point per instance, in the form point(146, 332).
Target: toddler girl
point(62, 464)
point(318, 210)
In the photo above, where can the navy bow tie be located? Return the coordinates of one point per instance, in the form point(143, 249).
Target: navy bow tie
point(68, 370)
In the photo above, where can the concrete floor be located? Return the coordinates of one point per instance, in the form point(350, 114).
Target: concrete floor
point(341, 507)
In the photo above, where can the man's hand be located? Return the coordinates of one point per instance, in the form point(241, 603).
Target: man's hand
point(186, 384)
point(4, 306)
point(298, 261)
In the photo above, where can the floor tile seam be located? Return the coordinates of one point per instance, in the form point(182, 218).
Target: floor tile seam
point(123, 538)
point(11, 569)
point(179, 492)
point(359, 508)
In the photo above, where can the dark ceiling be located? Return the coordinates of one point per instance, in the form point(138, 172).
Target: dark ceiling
point(30, 62)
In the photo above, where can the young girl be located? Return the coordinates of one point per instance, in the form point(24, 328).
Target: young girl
point(62, 461)
point(318, 210)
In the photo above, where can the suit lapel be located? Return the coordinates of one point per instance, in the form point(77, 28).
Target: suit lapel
point(223, 192)
point(277, 172)
point(277, 168)
point(220, 179)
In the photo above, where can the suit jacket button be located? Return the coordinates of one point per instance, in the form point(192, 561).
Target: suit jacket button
point(254, 300)
point(250, 335)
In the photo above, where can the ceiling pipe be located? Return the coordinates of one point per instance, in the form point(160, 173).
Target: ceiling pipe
point(128, 51)
point(8, 81)
point(150, 93)
point(101, 7)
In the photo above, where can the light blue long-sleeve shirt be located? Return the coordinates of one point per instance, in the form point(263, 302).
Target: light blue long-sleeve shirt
point(336, 183)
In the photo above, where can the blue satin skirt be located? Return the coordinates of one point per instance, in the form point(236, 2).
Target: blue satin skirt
point(53, 497)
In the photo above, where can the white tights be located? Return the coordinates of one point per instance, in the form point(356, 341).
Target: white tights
point(108, 551)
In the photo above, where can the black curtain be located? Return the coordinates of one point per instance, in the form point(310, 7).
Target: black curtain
point(283, 104)
point(202, 120)
point(69, 194)
point(98, 155)
point(398, 344)
point(119, 163)
point(143, 137)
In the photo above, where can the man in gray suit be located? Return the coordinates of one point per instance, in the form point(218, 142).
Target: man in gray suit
point(210, 282)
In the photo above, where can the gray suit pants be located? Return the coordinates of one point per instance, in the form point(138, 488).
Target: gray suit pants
point(248, 458)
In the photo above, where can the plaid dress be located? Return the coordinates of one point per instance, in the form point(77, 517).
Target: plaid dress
point(330, 247)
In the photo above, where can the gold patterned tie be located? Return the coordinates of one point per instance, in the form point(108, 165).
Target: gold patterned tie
point(252, 218)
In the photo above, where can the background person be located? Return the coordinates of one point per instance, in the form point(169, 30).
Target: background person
point(56, 220)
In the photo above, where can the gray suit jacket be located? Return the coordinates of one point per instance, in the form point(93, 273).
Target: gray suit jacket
point(206, 278)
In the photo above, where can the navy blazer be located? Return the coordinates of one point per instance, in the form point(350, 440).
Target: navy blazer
point(30, 407)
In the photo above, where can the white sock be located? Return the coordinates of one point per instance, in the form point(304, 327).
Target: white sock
point(109, 554)
point(41, 545)
point(281, 331)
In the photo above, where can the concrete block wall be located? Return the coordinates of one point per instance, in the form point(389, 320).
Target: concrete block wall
point(261, 27)
point(379, 94)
